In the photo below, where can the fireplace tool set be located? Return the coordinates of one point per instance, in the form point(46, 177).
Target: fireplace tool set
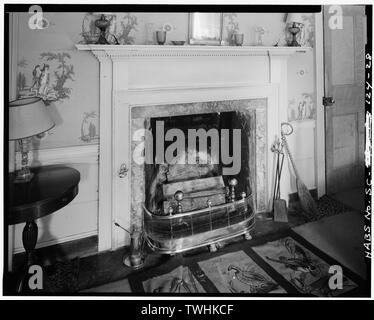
point(279, 205)
point(306, 201)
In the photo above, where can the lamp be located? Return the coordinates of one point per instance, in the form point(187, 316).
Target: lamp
point(296, 21)
point(102, 24)
point(106, 20)
point(27, 117)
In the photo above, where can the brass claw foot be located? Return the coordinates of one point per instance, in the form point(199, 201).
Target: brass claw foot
point(213, 247)
point(247, 236)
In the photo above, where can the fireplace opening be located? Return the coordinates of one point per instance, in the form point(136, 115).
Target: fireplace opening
point(190, 200)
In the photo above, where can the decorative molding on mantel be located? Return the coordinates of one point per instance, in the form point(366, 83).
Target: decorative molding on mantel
point(117, 51)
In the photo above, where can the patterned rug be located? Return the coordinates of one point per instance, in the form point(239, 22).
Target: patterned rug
point(62, 277)
point(285, 266)
point(326, 207)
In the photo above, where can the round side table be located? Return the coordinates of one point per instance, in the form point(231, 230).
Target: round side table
point(51, 189)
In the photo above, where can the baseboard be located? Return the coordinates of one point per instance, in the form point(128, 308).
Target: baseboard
point(60, 241)
point(82, 247)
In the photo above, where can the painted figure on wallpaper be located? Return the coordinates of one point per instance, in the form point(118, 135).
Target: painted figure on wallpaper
point(88, 127)
point(35, 79)
point(44, 79)
point(63, 72)
point(301, 108)
point(21, 78)
point(43, 84)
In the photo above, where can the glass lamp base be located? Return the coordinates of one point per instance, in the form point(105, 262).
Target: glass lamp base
point(24, 174)
point(294, 43)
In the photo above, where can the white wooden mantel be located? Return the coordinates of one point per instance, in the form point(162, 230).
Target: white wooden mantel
point(133, 75)
point(185, 50)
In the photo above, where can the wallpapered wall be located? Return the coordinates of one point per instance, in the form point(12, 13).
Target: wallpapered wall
point(50, 66)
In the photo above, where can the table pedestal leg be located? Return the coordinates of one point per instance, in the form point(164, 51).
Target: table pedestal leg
point(29, 239)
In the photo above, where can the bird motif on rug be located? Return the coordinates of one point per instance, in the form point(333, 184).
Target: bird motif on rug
point(256, 282)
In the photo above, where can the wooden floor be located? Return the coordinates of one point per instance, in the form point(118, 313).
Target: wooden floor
point(354, 198)
point(339, 236)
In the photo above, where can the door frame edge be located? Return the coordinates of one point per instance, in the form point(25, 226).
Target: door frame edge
point(320, 164)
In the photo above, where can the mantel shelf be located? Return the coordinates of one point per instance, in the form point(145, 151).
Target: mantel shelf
point(189, 50)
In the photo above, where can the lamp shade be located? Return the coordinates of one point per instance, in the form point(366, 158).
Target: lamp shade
point(294, 17)
point(28, 117)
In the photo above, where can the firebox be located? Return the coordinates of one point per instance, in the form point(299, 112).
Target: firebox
point(200, 171)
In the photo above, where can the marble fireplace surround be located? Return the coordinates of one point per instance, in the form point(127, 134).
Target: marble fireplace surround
point(136, 77)
point(251, 111)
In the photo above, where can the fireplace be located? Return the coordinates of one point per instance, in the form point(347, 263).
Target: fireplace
point(140, 85)
point(220, 177)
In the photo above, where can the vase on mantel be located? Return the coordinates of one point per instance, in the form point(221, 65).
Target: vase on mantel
point(161, 37)
point(259, 36)
point(149, 33)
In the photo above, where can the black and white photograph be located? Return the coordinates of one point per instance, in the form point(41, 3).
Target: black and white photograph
point(190, 150)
